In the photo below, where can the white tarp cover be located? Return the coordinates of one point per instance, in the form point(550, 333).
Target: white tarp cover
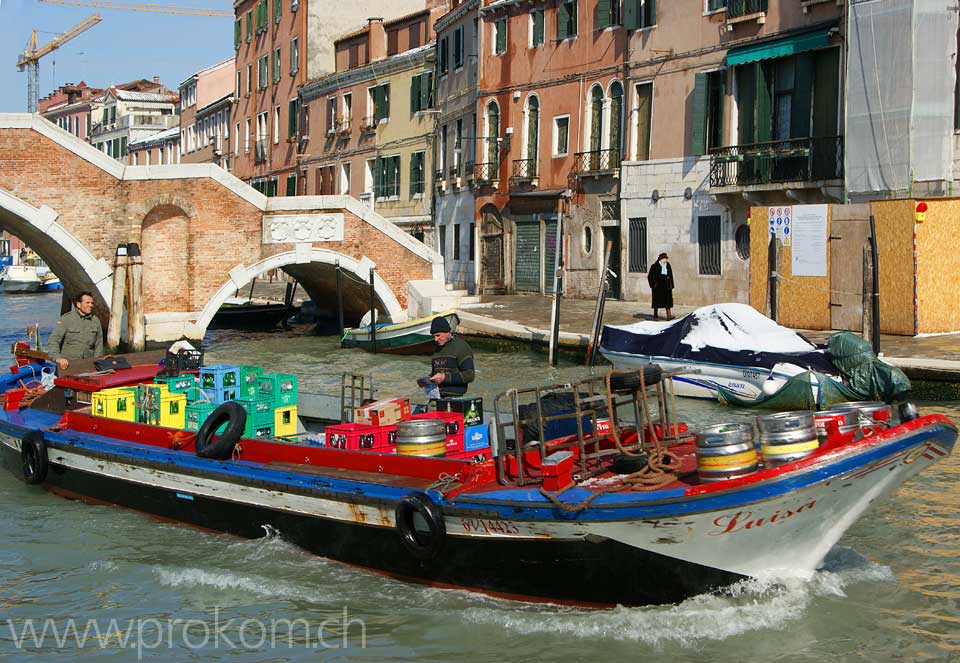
point(901, 71)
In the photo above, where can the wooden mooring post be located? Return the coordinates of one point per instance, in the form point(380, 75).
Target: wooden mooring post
point(115, 324)
point(373, 315)
point(136, 331)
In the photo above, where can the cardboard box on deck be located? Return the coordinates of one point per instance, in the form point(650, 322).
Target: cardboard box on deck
point(384, 413)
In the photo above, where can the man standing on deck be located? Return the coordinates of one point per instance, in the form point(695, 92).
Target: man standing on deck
point(452, 362)
point(77, 334)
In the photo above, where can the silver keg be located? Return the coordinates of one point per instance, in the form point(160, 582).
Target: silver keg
point(787, 436)
point(848, 421)
point(725, 451)
point(422, 437)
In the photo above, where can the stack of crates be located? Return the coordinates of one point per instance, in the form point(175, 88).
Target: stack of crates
point(120, 404)
point(259, 417)
point(248, 380)
point(220, 383)
point(281, 390)
point(197, 413)
point(181, 384)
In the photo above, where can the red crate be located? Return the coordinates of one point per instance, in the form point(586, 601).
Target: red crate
point(12, 398)
point(454, 420)
point(362, 437)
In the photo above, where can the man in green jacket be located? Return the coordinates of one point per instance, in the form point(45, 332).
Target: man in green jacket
point(77, 334)
point(452, 362)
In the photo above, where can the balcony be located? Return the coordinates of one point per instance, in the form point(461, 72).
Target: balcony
point(487, 173)
point(597, 162)
point(794, 160)
point(455, 173)
point(740, 11)
point(524, 170)
point(370, 123)
point(260, 151)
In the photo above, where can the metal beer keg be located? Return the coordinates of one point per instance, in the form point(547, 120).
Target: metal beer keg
point(725, 451)
point(422, 437)
point(787, 436)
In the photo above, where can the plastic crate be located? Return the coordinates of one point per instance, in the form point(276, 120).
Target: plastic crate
point(281, 388)
point(180, 384)
point(454, 425)
point(118, 404)
point(285, 421)
point(220, 377)
point(220, 396)
point(183, 361)
point(362, 437)
point(248, 380)
point(258, 409)
point(258, 430)
point(167, 409)
point(196, 414)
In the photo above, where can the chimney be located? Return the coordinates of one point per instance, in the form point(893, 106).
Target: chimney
point(376, 39)
point(156, 80)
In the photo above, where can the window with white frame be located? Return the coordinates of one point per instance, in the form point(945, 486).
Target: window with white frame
point(499, 41)
point(246, 137)
point(561, 135)
point(276, 125)
point(236, 139)
point(346, 114)
point(249, 78)
point(345, 179)
point(262, 120)
point(537, 30)
point(294, 55)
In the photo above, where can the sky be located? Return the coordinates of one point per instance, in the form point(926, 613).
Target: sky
point(124, 46)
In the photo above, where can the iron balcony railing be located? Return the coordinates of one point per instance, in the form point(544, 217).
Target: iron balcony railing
point(260, 151)
point(597, 161)
point(794, 160)
point(524, 169)
point(487, 172)
point(738, 8)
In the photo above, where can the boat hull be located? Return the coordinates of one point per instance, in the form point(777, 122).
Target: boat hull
point(255, 317)
point(408, 338)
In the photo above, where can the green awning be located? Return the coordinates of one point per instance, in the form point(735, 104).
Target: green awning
point(780, 48)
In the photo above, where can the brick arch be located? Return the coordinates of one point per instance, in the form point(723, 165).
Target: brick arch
point(164, 200)
point(164, 243)
point(242, 275)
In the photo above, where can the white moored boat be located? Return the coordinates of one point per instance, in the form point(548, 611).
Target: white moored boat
point(727, 345)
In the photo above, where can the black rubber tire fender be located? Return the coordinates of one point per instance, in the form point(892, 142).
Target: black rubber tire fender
point(221, 448)
point(422, 545)
point(33, 457)
point(630, 381)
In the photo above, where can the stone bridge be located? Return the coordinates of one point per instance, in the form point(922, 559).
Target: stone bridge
point(203, 233)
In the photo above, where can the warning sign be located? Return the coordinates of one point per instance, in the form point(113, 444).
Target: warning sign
point(780, 218)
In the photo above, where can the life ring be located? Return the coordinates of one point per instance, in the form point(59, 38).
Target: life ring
point(33, 457)
point(630, 381)
point(235, 418)
point(423, 544)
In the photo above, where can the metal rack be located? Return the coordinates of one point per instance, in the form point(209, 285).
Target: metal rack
point(354, 390)
point(591, 400)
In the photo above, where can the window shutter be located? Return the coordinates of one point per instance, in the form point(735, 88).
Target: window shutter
point(631, 14)
point(538, 27)
point(502, 35)
point(413, 173)
point(415, 94)
point(603, 14)
point(277, 10)
point(426, 90)
point(649, 13)
point(800, 104)
point(237, 33)
point(386, 100)
point(377, 165)
point(396, 175)
point(291, 185)
point(563, 19)
point(249, 24)
point(378, 103)
point(699, 127)
point(458, 48)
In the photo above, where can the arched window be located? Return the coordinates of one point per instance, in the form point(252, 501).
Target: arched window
point(616, 120)
point(596, 127)
point(493, 133)
point(533, 135)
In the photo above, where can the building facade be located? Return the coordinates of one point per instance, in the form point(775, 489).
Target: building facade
point(457, 74)
point(130, 115)
point(371, 123)
point(72, 107)
point(206, 101)
point(158, 149)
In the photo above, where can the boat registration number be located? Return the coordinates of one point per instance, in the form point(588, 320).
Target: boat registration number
point(484, 526)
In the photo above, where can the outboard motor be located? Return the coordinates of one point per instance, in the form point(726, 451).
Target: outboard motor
point(907, 411)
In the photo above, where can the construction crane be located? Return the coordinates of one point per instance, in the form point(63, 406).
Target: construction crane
point(30, 57)
point(156, 8)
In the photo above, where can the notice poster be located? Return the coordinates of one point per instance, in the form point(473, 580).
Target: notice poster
point(809, 256)
point(780, 223)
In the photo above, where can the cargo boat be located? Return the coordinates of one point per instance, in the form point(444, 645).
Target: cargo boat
point(600, 502)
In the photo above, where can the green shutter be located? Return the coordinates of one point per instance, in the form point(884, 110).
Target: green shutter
point(415, 94)
point(277, 10)
point(457, 48)
point(291, 185)
point(386, 100)
point(699, 120)
point(574, 19)
point(376, 178)
point(426, 90)
point(292, 127)
point(538, 27)
point(764, 102)
point(249, 24)
point(631, 14)
point(603, 14)
point(501, 35)
point(237, 33)
point(396, 175)
point(800, 104)
point(563, 20)
point(649, 13)
point(413, 173)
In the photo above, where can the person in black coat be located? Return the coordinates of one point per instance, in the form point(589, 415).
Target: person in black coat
point(660, 278)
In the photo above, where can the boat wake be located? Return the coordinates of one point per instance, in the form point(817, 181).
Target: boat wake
point(748, 606)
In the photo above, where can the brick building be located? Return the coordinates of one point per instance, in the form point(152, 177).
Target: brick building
point(72, 107)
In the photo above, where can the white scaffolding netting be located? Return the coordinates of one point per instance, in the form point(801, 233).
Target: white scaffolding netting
point(901, 71)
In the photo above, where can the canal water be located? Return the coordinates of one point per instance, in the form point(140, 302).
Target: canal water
point(135, 588)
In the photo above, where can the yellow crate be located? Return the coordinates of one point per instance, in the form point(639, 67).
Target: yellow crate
point(285, 421)
point(173, 410)
point(118, 404)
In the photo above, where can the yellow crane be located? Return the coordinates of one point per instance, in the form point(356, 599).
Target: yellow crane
point(156, 8)
point(30, 57)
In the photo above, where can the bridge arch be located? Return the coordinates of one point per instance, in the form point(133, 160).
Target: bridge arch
point(78, 268)
point(242, 275)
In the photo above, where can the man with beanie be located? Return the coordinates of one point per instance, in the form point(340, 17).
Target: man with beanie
point(452, 362)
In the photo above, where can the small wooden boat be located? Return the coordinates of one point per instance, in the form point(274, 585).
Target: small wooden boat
point(406, 338)
point(19, 279)
point(50, 282)
point(248, 315)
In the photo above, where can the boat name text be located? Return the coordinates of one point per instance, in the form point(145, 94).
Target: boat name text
point(481, 526)
point(744, 520)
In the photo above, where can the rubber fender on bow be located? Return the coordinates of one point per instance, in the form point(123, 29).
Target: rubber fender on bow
point(630, 381)
point(235, 418)
point(420, 524)
point(33, 457)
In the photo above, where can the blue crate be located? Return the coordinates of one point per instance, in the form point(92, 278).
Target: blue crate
point(476, 437)
point(220, 378)
point(221, 396)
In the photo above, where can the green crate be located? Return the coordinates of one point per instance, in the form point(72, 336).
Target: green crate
point(197, 413)
point(180, 384)
point(258, 409)
point(248, 380)
point(280, 388)
point(256, 430)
